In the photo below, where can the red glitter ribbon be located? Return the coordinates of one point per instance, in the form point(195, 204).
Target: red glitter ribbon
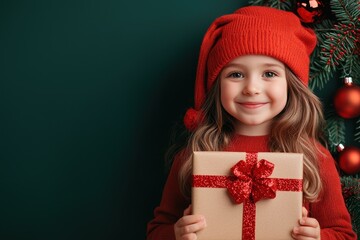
point(249, 184)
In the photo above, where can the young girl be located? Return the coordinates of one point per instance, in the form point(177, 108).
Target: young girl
point(251, 95)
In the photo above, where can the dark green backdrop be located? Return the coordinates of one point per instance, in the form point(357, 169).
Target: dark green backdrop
point(89, 91)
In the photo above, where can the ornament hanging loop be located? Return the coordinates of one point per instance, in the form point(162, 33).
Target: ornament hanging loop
point(340, 147)
point(348, 81)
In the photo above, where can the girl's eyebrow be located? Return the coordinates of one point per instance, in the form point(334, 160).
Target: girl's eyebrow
point(274, 65)
point(234, 65)
point(263, 65)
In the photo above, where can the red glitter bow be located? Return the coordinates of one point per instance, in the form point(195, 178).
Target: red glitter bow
point(251, 181)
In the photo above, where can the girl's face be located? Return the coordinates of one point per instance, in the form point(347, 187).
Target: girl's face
point(253, 90)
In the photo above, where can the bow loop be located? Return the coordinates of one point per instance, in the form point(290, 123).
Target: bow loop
point(239, 190)
point(263, 169)
point(242, 170)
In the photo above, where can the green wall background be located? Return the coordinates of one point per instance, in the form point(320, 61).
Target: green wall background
point(89, 91)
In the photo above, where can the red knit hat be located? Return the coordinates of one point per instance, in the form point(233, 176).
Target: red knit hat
point(250, 30)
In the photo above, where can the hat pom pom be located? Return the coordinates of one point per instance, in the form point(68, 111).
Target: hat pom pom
point(192, 119)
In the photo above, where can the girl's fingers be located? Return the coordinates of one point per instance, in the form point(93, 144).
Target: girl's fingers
point(300, 237)
point(309, 228)
point(189, 219)
point(310, 222)
point(304, 212)
point(192, 228)
point(188, 210)
point(306, 232)
point(187, 226)
point(190, 236)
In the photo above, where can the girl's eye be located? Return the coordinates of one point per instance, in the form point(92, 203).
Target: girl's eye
point(236, 75)
point(270, 74)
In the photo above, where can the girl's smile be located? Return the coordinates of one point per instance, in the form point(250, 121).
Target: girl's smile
point(252, 105)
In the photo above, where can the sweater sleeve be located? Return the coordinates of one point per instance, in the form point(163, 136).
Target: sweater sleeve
point(330, 210)
point(171, 207)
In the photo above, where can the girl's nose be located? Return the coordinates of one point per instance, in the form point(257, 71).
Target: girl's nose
point(251, 87)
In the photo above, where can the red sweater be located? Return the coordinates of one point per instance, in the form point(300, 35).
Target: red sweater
point(330, 211)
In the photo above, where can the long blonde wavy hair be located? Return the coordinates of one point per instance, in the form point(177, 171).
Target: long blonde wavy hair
point(298, 128)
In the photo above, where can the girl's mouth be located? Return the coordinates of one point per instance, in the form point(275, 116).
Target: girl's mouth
point(252, 105)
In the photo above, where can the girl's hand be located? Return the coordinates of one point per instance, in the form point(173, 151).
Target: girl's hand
point(187, 226)
point(309, 228)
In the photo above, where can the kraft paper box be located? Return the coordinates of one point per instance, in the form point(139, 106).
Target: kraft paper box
point(267, 219)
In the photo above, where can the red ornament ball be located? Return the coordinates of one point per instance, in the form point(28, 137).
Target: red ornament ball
point(349, 160)
point(347, 101)
point(309, 11)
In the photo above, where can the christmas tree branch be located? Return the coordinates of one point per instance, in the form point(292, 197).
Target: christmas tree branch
point(335, 131)
point(346, 11)
point(319, 76)
point(349, 67)
point(351, 194)
point(279, 4)
point(336, 46)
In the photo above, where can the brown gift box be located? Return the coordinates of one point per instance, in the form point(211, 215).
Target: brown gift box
point(274, 218)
